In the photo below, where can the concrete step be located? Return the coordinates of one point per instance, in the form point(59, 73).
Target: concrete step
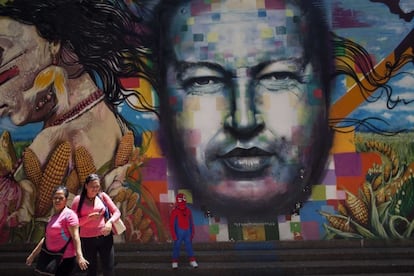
point(270, 268)
point(337, 268)
point(389, 258)
point(251, 256)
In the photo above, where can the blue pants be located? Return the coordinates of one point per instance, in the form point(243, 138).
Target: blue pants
point(182, 236)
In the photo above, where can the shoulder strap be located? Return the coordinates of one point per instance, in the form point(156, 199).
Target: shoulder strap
point(61, 250)
point(107, 213)
point(66, 245)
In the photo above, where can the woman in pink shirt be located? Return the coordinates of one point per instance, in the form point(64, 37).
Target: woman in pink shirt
point(96, 212)
point(63, 224)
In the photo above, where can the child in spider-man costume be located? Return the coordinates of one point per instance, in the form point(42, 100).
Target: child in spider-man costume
point(182, 230)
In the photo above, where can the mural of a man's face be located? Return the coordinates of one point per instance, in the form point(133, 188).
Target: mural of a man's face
point(244, 100)
point(23, 53)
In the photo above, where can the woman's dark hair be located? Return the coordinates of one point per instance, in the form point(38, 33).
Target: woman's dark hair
point(61, 188)
point(101, 37)
point(89, 178)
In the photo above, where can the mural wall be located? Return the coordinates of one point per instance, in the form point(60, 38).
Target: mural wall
point(279, 120)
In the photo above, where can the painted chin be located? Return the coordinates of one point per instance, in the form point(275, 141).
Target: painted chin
point(253, 190)
point(249, 178)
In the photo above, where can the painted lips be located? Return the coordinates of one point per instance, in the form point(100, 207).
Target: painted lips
point(8, 74)
point(247, 160)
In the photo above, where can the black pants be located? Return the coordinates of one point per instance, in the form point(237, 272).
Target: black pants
point(66, 266)
point(104, 246)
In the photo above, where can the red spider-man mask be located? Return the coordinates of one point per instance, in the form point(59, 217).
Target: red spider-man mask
point(180, 200)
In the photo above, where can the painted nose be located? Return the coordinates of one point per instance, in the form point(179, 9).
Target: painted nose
point(243, 120)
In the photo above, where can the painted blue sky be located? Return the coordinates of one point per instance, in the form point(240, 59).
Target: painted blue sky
point(379, 31)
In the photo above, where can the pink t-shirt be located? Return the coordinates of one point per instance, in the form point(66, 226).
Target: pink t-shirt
point(57, 232)
point(93, 227)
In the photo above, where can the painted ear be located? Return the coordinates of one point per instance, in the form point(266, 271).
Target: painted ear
point(54, 48)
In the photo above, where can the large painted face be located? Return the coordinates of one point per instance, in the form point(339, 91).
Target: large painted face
point(23, 54)
point(243, 98)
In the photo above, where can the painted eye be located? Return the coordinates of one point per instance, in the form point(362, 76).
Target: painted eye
point(277, 81)
point(203, 85)
point(282, 76)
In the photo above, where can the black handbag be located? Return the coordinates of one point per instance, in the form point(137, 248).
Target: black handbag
point(48, 261)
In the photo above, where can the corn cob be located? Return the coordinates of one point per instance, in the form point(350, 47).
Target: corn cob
point(395, 165)
point(145, 222)
point(376, 183)
point(72, 182)
point(366, 192)
point(9, 158)
point(52, 177)
point(120, 196)
point(380, 196)
point(136, 156)
point(342, 210)
point(392, 188)
point(128, 193)
point(146, 235)
point(84, 163)
point(124, 150)
point(357, 209)
point(341, 223)
point(137, 216)
point(387, 172)
point(132, 202)
point(32, 168)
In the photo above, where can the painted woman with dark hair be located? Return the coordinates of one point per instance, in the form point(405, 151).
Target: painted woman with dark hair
point(61, 63)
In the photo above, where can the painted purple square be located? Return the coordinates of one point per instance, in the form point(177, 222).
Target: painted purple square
point(155, 169)
point(347, 164)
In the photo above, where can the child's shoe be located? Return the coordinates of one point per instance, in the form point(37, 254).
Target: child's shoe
point(174, 265)
point(194, 264)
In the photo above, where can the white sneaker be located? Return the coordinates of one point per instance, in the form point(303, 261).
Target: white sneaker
point(174, 265)
point(194, 264)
